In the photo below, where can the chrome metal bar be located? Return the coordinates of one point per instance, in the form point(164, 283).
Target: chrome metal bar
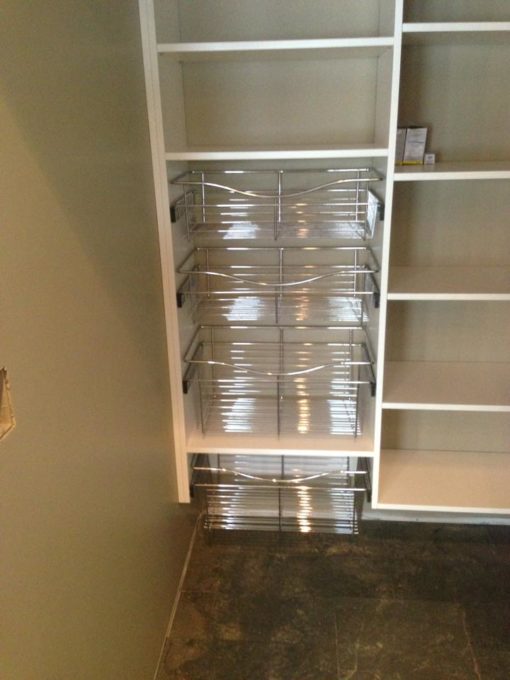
point(357, 196)
point(257, 194)
point(202, 188)
point(187, 214)
point(207, 280)
point(279, 394)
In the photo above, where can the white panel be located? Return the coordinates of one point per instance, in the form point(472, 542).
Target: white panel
point(471, 170)
point(281, 103)
point(217, 20)
point(496, 33)
point(277, 152)
point(276, 49)
point(450, 28)
point(383, 98)
point(452, 223)
point(468, 386)
point(172, 104)
point(442, 480)
point(446, 430)
point(167, 20)
point(161, 188)
point(448, 331)
point(284, 445)
point(457, 10)
point(385, 245)
point(465, 104)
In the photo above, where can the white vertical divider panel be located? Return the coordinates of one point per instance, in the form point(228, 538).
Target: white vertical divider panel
point(150, 58)
point(385, 260)
point(383, 98)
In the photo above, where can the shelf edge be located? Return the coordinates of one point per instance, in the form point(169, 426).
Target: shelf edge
point(269, 154)
point(455, 27)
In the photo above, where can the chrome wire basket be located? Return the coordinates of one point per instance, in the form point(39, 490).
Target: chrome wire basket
point(251, 382)
point(249, 204)
point(281, 493)
point(286, 285)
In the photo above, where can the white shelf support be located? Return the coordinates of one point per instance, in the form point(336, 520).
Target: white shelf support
point(385, 260)
point(177, 419)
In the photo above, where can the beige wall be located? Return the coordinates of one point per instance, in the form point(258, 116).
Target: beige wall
point(92, 542)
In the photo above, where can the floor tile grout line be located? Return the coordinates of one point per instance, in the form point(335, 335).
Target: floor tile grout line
point(476, 666)
point(180, 585)
point(336, 646)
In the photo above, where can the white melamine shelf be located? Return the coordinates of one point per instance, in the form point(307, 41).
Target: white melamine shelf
point(447, 386)
point(473, 170)
point(449, 283)
point(455, 26)
point(281, 153)
point(455, 32)
point(262, 444)
point(277, 49)
point(454, 481)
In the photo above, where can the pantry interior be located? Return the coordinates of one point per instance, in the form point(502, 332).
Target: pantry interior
point(95, 527)
point(323, 303)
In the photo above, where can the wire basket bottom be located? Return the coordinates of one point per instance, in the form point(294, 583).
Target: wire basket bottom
point(247, 230)
point(332, 310)
point(303, 416)
point(338, 513)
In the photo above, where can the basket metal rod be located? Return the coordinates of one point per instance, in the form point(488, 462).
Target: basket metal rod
point(202, 178)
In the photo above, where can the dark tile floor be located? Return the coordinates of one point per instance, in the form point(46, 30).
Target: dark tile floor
point(402, 601)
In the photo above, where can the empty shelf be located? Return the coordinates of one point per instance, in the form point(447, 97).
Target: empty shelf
point(454, 386)
point(459, 481)
point(449, 283)
point(453, 171)
point(277, 153)
point(285, 445)
point(455, 32)
point(456, 27)
point(277, 49)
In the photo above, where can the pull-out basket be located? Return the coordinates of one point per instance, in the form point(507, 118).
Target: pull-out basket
point(330, 285)
point(245, 204)
point(250, 380)
point(280, 493)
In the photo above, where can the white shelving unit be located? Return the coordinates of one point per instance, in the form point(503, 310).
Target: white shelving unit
point(294, 85)
point(446, 371)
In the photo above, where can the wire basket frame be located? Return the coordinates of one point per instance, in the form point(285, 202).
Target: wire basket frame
point(281, 386)
point(249, 204)
point(279, 285)
point(282, 493)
